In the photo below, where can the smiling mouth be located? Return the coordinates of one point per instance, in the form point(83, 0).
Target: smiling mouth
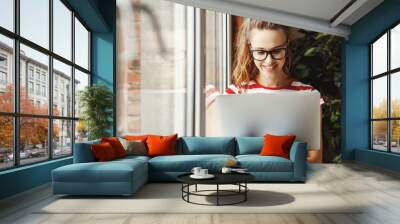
point(269, 67)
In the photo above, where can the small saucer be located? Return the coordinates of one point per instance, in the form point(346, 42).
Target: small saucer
point(240, 171)
point(208, 176)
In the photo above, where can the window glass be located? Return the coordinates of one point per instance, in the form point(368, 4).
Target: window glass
point(379, 135)
point(379, 98)
point(6, 142)
point(34, 80)
point(395, 136)
point(81, 131)
point(395, 47)
point(62, 29)
point(379, 56)
point(6, 74)
point(34, 21)
point(33, 140)
point(152, 68)
point(39, 62)
point(81, 45)
point(395, 95)
point(62, 91)
point(30, 88)
point(81, 82)
point(7, 14)
point(62, 138)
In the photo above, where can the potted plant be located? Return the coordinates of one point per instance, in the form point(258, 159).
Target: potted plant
point(96, 103)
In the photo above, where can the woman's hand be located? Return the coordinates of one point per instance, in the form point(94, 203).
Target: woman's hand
point(211, 93)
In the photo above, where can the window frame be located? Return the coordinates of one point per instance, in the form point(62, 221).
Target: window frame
point(16, 115)
point(388, 74)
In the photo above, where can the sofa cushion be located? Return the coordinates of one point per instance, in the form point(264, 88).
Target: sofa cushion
point(161, 145)
point(136, 137)
point(131, 158)
point(257, 163)
point(103, 152)
point(206, 145)
point(111, 171)
point(275, 145)
point(83, 152)
point(116, 145)
point(134, 147)
point(185, 163)
point(249, 145)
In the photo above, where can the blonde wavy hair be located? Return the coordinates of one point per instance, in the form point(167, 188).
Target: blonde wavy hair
point(244, 67)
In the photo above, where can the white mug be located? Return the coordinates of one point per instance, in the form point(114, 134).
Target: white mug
point(203, 172)
point(196, 171)
point(226, 170)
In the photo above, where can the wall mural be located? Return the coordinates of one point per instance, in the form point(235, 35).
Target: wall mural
point(152, 79)
point(315, 61)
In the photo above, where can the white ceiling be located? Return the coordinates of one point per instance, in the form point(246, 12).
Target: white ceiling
point(313, 15)
point(319, 9)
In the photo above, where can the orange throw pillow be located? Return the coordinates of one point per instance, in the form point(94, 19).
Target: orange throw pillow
point(116, 145)
point(277, 145)
point(161, 145)
point(103, 152)
point(136, 137)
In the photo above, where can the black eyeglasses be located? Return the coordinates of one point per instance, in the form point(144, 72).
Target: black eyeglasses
point(276, 54)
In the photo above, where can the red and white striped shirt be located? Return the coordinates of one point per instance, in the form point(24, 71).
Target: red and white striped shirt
point(255, 87)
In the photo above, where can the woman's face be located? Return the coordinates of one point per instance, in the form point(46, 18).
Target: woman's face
point(268, 40)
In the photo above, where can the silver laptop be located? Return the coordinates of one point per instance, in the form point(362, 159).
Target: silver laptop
point(278, 113)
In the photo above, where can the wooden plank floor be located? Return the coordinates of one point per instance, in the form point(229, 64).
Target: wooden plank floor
point(376, 188)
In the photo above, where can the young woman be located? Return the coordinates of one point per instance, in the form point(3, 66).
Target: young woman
point(263, 60)
point(262, 64)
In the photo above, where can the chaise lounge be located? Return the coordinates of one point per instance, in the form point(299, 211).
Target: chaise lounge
point(125, 176)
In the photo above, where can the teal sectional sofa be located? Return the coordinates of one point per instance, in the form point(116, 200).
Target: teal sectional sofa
point(125, 176)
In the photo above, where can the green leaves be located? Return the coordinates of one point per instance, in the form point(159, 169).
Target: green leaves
point(310, 52)
point(97, 103)
point(317, 62)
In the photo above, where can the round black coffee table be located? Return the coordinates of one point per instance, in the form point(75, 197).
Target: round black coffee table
point(238, 179)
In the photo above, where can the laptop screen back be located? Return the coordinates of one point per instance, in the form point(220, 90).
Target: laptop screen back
point(279, 113)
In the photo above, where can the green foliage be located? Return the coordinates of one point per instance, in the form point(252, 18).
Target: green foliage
point(338, 159)
point(96, 102)
point(317, 61)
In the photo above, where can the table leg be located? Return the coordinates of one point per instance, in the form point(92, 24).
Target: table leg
point(217, 194)
point(245, 193)
point(188, 192)
point(196, 188)
point(182, 190)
